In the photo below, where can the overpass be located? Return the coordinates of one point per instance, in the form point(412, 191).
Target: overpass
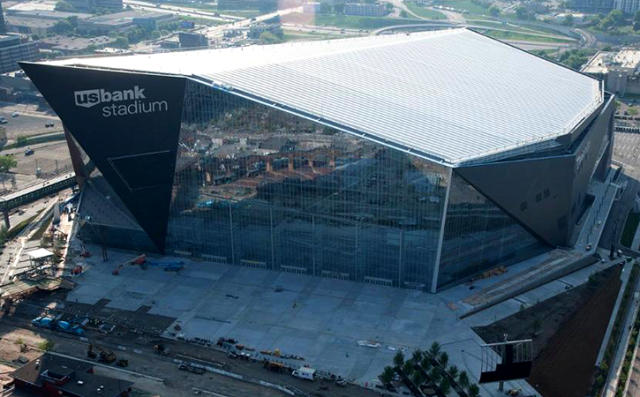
point(34, 192)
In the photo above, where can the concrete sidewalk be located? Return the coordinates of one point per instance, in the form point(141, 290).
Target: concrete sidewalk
point(616, 365)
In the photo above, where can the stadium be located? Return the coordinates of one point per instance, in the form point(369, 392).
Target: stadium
point(415, 161)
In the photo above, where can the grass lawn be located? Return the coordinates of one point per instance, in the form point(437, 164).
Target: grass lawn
point(629, 230)
point(424, 12)
point(241, 13)
point(502, 35)
point(292, 35)
point(357, 22)
point(464, 5)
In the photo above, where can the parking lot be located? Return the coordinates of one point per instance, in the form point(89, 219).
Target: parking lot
point(27, 123)
point(626, 150)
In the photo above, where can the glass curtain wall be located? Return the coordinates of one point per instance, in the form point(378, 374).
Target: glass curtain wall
point(256, 186)
point(478, 236)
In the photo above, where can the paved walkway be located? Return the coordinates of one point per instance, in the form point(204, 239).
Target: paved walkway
point(635, 244)
point(615, 366)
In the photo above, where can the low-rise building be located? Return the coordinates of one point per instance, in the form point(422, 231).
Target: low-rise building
point(66, 45)
point(93, 5)
point(311, 8)
point(55, 375)
point(40, 22)
point(618, 70)
point(592, 6)
point(627, 6)
point(13, 50)
point(192, 40)
point(121, 21)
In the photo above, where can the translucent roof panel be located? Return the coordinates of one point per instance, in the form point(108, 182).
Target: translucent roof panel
point(451, 95)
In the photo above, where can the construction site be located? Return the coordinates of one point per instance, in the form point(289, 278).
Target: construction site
point(176, 326)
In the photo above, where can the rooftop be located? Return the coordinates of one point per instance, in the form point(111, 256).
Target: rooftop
point(126, 17)
point(78, 380)
point(605, 61)
point(452, 96)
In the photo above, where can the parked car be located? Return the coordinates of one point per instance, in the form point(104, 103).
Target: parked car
point(15, 114)
point(49, 124)
point(28, 152)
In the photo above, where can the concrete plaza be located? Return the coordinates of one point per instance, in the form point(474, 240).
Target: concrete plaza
point(319, 319)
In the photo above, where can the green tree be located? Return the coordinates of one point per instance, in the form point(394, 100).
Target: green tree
point(434, 350)
point(46, 345)
point(387, 375)
point(7, 162)
point(416, 356)
point(453, 371)
point(445, 386)
point(443, 359)
point(523, 13)
point(463, 379)
point(268, 38)
point(426, 363)
point(63, 26)
point(435, 374)
point(417, 378)
point(617, 16)
point(121, 42)
point(494, 10)
point(325, 8)
point(398, 359)
point(403, 14)
point(473, 391)
point(407, 368)
point(21, 140)
point(64, 6)
point(338, 8)
point(568, 20)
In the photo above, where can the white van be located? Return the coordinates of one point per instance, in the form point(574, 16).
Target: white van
point(304, 373)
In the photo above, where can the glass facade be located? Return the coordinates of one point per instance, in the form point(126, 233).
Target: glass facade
point(259, 187)
point(478, 236)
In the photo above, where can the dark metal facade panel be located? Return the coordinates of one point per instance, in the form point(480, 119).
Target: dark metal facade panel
point(549, 195)
point(128, 124)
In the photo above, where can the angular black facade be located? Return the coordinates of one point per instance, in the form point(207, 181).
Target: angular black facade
point(210, 173)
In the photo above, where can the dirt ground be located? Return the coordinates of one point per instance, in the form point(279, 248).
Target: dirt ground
point(567, 332)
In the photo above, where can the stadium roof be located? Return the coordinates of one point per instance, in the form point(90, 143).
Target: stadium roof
point(451, 95)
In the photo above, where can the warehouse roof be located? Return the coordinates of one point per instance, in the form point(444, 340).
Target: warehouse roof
point(450, 95)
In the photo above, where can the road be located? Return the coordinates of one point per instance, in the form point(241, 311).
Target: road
point(182, 10)
point(214, 32)
point(626, 151)
point(228, 21)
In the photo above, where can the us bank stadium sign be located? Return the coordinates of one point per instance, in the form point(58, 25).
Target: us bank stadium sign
point(119, 103)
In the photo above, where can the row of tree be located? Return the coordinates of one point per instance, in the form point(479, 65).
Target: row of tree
point(430, 369)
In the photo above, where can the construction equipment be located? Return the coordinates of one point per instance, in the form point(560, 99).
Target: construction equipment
point(74, 329)
point(274, 366)
point(138, 260)
point(43, 322)
point(168, 266)
point(191, 368)
point(103, 355)
point(161, 349)
point(90, 352)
